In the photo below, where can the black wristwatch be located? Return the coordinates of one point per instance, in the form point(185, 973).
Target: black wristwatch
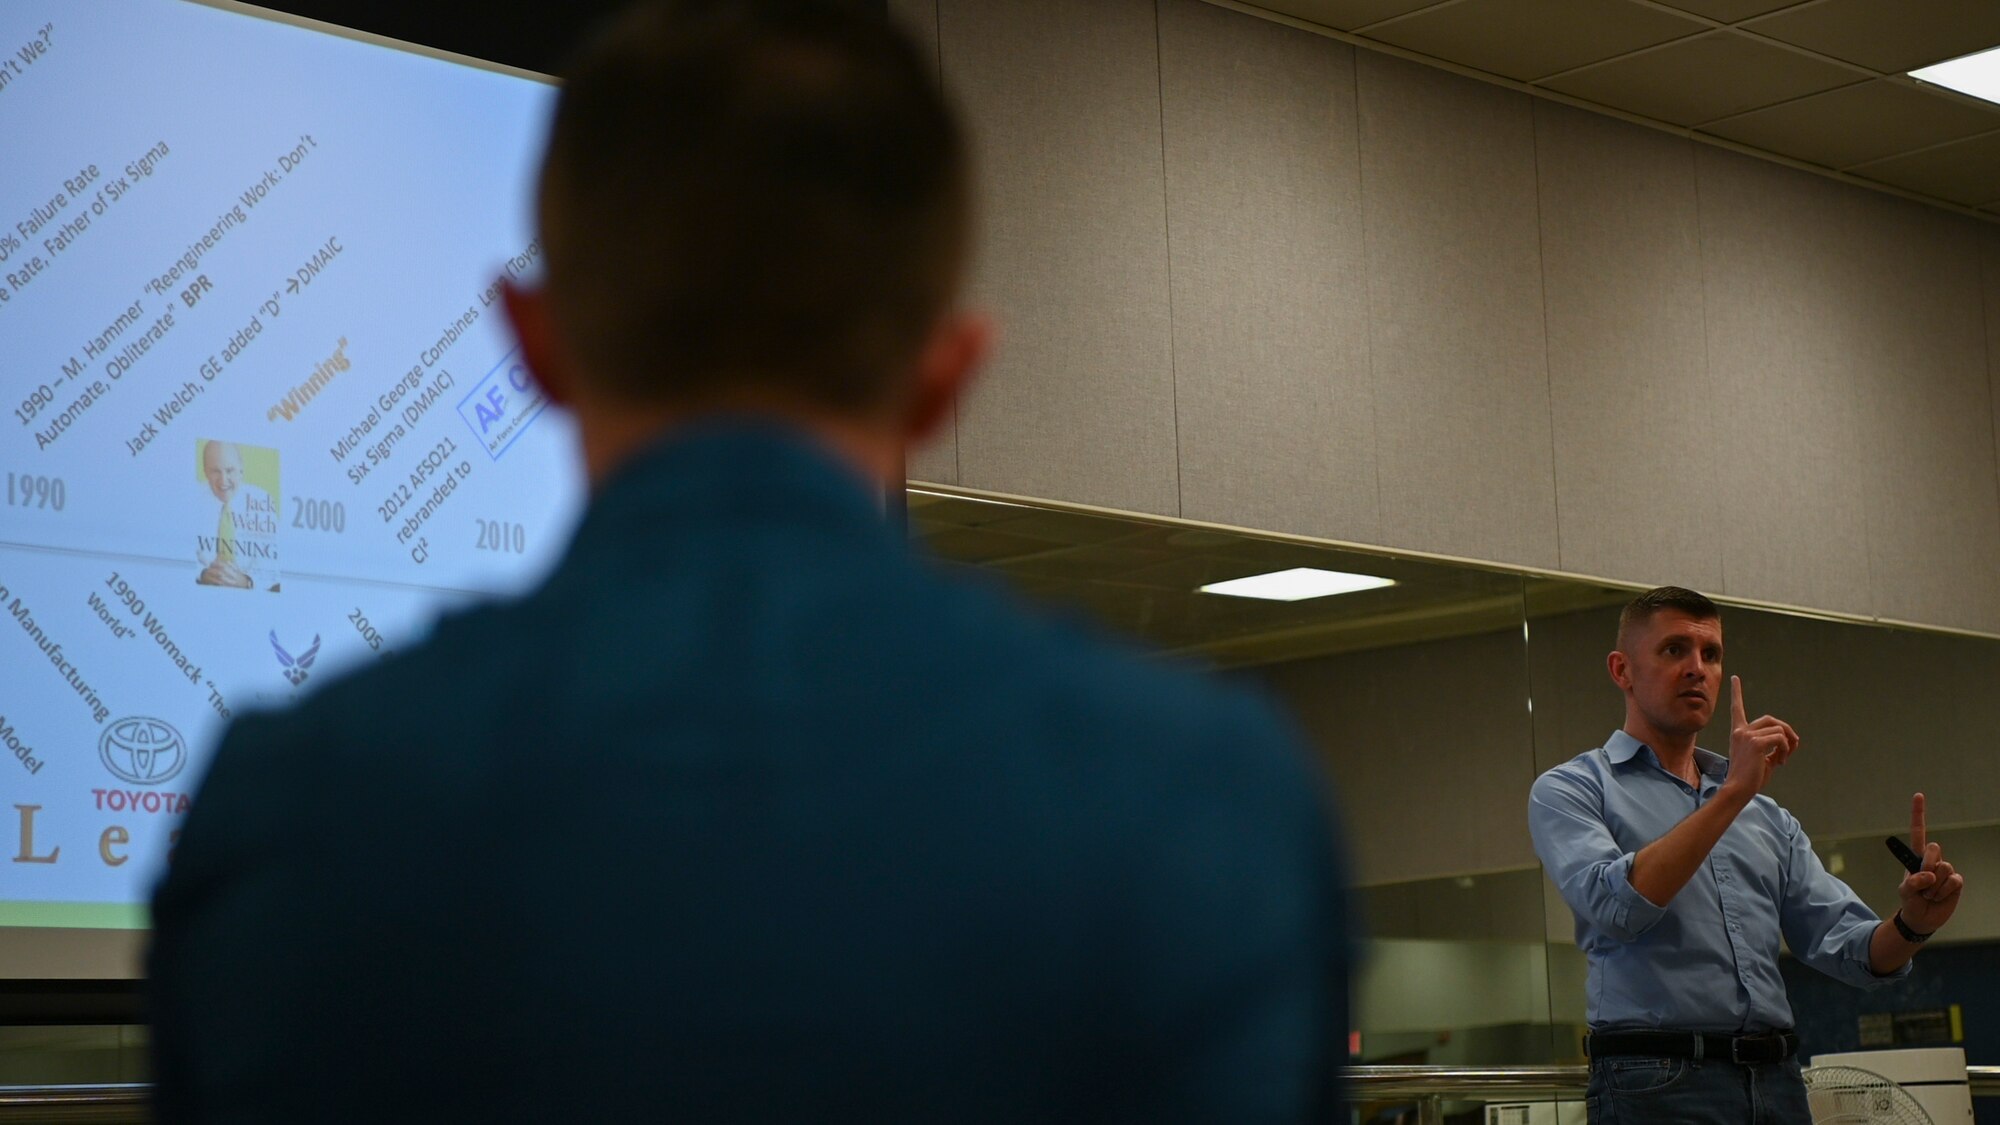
point(1909, 935)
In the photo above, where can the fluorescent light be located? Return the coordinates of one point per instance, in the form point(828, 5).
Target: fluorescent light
point(1296, 584)
point(1978, 75)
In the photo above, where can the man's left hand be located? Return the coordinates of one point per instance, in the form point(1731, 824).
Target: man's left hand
point(1930, 893)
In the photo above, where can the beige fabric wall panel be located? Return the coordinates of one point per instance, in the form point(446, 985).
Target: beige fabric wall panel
point(920, 19)
point(1621, 264)
point(1780, 251)
point(1276, 414)
point(1079, 403)
point(1989, 244)
point(1402, 759)
point(1455, 306)
point(31, 954)
point(1881, 713)
point(1577, 705)
point(1933, 516)
point(937, 461)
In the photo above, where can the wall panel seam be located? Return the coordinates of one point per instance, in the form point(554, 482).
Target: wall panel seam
point(1167, 253)
point(1548, 362)
point(958, 400)
point(1992, 385)
point(1707, 362)
point(1368, 292)
point(1872, 435)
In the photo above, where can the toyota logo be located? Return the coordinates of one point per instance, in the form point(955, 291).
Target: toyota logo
point(142, 751)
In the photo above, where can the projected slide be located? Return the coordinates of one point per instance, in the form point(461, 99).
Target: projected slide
point(259, 416)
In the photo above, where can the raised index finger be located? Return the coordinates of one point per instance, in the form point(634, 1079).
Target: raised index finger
point(1736, 716)
point(1917, 823)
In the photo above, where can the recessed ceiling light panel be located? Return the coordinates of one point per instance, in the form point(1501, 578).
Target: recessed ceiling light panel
point(1977, 75)
point(1296, 584)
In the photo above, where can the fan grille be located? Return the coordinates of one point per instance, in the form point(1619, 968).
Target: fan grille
point(1849, 1095)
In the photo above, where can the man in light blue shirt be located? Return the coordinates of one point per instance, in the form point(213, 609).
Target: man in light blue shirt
point(1683, 878)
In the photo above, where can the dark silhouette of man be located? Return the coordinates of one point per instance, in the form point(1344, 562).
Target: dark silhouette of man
point(748, 814)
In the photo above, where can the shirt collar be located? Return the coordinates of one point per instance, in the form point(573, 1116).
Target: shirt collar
point(1621, 748)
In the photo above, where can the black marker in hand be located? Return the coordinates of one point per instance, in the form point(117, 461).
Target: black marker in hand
point(1911, 861)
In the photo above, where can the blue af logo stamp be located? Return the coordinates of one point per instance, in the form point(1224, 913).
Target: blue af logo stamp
point(502, 404)
point(296, 667)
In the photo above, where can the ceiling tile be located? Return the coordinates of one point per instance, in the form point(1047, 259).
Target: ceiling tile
point(1852, 124)
point(1728, 11)
point(1700, 79)
point(1966, 172)
point(1345, 15)
point(1529, 39)
point(1891, 36)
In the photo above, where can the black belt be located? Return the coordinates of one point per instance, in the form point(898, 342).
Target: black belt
point(1768, 1047)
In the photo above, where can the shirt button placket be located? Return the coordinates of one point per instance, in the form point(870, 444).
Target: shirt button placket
point(1726, 898)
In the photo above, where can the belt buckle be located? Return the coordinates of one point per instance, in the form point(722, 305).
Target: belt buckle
point(1766, 1048)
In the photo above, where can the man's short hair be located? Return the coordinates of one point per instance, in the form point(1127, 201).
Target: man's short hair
point(741, 196)
point(1641, 609)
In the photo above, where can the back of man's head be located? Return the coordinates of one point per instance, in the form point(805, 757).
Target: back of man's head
point(751, 198)
point(1643, 608)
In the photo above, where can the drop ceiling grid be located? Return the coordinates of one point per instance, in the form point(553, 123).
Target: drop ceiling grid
point(1819, 82)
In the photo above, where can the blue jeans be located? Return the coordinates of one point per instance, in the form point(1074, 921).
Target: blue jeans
point(1640, 1090)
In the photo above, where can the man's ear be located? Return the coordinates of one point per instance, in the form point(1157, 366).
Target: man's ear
point(1620, 668)
point(541, 349)
point(951, 358)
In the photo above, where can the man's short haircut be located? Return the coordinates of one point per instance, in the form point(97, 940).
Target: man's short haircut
point(768, 198)
point(1641, 609)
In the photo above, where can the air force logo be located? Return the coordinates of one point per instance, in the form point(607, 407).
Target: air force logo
point(296, 667)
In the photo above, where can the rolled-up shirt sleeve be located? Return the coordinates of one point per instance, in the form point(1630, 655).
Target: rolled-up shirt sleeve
point(1825, 923)
point(1583, 859)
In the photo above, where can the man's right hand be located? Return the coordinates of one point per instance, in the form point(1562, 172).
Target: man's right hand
point(1756, 749)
